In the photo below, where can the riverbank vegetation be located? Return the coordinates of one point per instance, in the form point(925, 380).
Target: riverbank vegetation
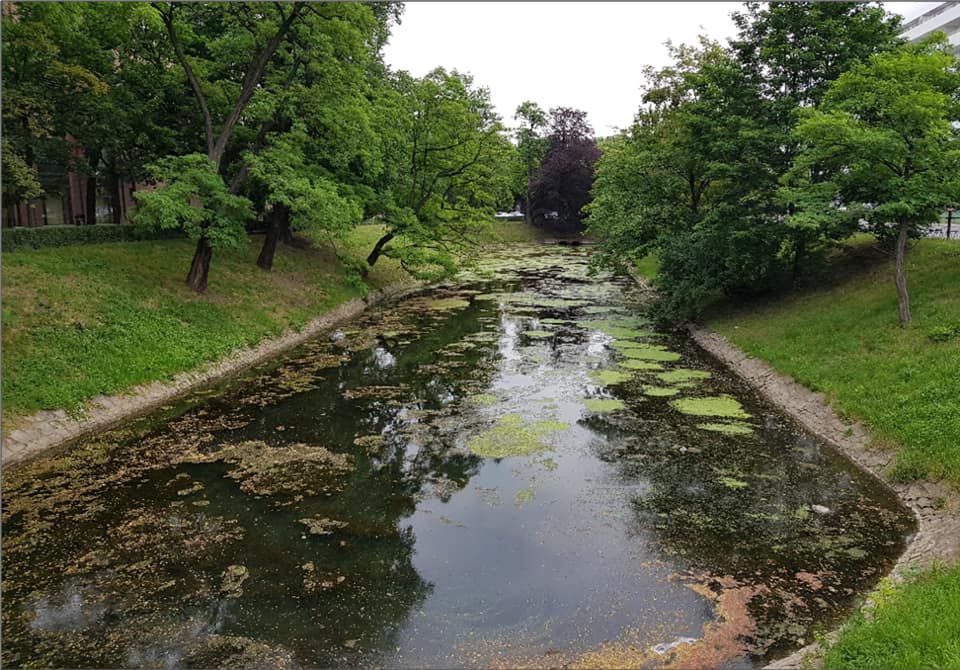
point(98, 319)
point(913, 626)
point(747, 161)
point(843, 341)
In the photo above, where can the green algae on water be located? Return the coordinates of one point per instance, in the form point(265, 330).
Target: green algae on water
point(660, 391)
point(602, 404)
point(447, 303)
point(539, 334)
point(678, 375)
point(609, 377)
point(508, 437)
point(548, 426)
point(722, 405)
point(732, 428)
point(647, 352)
point(524, 495)
point(634, 364)
point(549, 464)
point(482, 399)
point(732, 483)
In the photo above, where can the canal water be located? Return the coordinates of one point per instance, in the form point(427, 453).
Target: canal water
point(509, 470)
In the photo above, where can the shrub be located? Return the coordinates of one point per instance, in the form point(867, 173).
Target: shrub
point(14, 239)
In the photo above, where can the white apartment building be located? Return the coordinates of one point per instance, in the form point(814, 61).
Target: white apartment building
point(944, 17)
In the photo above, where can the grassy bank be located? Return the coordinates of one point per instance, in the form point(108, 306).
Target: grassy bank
point(79, 321)
point(843, 340)
point(913, 626)
point(904, 385)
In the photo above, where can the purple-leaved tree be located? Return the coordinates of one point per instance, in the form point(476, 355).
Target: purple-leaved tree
point(562, 186)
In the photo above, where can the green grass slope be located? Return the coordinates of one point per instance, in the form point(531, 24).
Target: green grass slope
point(843, 340)
point(83, 320)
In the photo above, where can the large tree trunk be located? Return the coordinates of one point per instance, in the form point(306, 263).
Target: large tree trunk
point(279, 226)
point(377, 250)
point(903, 297)
point(799, 251)
point(200, 266)
point(93, 160)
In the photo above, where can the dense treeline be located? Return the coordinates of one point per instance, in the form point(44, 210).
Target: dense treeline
point(280, 115)
point(745, 159)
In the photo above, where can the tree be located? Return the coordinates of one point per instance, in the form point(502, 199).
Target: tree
point(445, 168)
point(311, 152)
point(531, 146)
point(562, 184)
point(882, 147)
point(223, 51)
point(195, 199)
point(653, 179)
point(791, 52)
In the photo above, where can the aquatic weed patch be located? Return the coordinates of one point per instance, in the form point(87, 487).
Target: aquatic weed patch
point(722, 406)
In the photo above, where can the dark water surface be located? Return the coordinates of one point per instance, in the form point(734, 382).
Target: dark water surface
point(512, 470)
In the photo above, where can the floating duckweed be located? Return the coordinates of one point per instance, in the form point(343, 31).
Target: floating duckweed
point(548, 426)
point(509, 437)
point(556, 322)
point(539, 334)
point(682, 375)
point(602, 404)
point(660, 391)
point(549, 464)
point(732, 483)
point(524, 495)
point(648, 352)
point(622, 333)
point(448, 303)
point(722, 405)
point(609, 377)
point(633, 364)
point(733, 428)
point(482, 399)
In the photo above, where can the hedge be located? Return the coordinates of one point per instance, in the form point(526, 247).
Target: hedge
point(15, 239)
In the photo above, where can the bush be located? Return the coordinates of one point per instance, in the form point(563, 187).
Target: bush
point(14, 239)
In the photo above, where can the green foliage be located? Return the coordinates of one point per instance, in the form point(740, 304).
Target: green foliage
point(314, 198)
point(914, 625)
point(19, 238)
point(447, 162)
point(194, 199)
point(696, 178)
point(882, 146)
point(843, 343)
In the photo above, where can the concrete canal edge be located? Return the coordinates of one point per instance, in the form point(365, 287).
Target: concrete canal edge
point(49, 429)
point(938, 526)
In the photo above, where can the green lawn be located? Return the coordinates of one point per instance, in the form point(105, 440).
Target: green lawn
point(843, 340)
point(913, 626)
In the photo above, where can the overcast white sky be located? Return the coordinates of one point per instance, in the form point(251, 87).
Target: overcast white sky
point(587, 55)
